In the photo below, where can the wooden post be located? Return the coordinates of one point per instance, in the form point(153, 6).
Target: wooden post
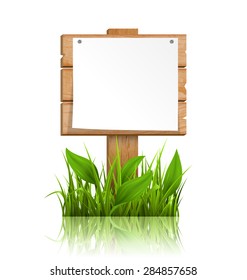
point(128, 145)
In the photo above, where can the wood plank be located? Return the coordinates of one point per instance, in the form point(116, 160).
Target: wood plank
point(66, 124)
point(67, 45)
point(128, 147)
point(122, 31)
point(182, 79)
point(182, 113)
point(67, 84)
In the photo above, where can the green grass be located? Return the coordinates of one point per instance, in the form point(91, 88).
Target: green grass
point(90, 192)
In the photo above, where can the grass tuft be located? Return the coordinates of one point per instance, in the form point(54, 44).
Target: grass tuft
point(156, 192)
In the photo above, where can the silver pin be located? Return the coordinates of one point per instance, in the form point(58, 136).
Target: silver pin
point(79, 41)
point(171, 41)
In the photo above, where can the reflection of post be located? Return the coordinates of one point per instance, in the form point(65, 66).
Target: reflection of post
point(128, 145)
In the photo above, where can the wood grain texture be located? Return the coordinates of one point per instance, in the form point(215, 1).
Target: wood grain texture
point(66, 124)
point(182, 79)
point(122, 31)
point(128, 147)
point(67, 45)
point(67, 85)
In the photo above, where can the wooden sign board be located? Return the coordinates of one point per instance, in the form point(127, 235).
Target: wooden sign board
point(67, 85)
point(127, 139)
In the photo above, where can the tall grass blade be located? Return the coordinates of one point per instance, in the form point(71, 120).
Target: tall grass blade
point(133, 189)
point(82, 167)
point(130, 167)
point(174, 173)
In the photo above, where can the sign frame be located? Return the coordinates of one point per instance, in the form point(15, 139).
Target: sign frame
point(67, 84)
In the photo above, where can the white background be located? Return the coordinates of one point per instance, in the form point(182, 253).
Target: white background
point(213, 211)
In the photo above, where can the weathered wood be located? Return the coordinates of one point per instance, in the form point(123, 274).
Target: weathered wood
point(182, 78)
point(122, 32)
point(67, 45)
point(67, 85)
point(66, 124)
point(128, 147)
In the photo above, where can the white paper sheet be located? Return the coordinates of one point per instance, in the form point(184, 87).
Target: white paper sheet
point(125, 83)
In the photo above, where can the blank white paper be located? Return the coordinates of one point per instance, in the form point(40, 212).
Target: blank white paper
point(125, 83)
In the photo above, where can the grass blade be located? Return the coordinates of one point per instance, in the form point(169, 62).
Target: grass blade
point(174, 173)
point(82, 167)
point(130, 167)
point(133, 189)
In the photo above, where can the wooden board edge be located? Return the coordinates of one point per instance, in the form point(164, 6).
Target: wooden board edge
point(122, 31)
point(67, 85)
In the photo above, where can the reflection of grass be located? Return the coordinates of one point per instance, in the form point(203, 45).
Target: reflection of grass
point(120, 234)
point(156, 192)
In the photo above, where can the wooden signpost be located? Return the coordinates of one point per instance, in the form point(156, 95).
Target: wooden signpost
point(127, 139)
